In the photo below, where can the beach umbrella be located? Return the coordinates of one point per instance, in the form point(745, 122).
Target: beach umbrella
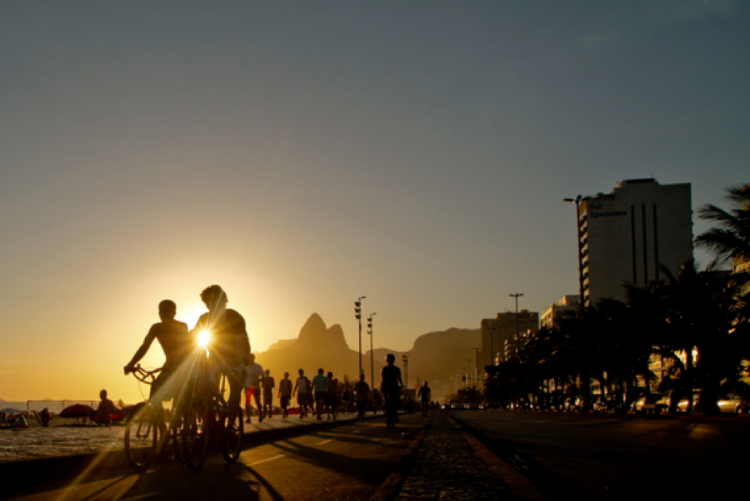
point(77, 411)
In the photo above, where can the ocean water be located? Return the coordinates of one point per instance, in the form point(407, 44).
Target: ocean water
point(37, 405)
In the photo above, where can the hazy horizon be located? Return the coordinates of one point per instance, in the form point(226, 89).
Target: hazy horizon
point(302, 155)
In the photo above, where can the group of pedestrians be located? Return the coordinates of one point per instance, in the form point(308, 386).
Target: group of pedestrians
point(230, 355)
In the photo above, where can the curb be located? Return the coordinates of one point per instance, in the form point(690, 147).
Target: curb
point(519, 486)
point(392, 485)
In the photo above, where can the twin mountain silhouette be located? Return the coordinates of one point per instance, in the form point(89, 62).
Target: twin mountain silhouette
point(436, 357)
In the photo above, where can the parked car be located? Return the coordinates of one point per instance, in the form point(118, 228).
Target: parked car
point(652, 403)
point(733, 404)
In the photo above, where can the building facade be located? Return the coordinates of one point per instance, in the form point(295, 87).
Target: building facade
point(499, 335)
point(627, 234)
point(564, 308)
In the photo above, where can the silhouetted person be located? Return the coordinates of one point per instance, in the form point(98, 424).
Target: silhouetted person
point(45, 417)
point(175, 342)
point(424, 395)
point(254, 375)
point(320, 386)
point(229, 344)
point(304, 397)
point(362, 396)
point(285, 393)
point(268, 384)
point(391, 385)
point(105, 410)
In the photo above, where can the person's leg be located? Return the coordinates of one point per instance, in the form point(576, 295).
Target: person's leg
point(248, 403)
point(256, 396)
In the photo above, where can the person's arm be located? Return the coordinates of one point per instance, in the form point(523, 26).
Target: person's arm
point(142, 350)
point(294, 392)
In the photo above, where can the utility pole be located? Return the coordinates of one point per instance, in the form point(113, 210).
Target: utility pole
point(358, 315)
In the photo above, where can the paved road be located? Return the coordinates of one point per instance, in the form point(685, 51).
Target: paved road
point(572, 456)
point(349, 461)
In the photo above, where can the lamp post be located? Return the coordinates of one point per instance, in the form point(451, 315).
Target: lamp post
point(517, 295)
point(358, 315)
point(372, 351)
point(577, 201)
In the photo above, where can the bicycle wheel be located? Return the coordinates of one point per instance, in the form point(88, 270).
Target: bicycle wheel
point(194, 434)
point(141, 437)
point(231, 434)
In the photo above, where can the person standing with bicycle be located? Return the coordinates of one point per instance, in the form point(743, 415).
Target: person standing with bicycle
point(228, 345)
point(391, 385)
point(175, 342)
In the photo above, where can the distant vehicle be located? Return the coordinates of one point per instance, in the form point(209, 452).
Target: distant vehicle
point(733, 404)
point(682, 405)
point(652, 403)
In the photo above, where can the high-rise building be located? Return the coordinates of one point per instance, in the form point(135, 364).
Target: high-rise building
point(564, 308)
point(627, 234)
point(499, 335)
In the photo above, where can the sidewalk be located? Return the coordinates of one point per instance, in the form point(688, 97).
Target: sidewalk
point(447, 463)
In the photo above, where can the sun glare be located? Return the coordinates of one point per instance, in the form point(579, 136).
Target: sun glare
point(203, 338)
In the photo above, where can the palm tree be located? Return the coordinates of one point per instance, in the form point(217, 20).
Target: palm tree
point(731, 238)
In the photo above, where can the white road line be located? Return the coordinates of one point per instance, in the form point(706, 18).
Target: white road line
point(267, 460)
point(324, 442)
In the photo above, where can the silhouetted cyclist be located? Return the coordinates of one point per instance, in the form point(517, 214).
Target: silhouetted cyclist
point(176, 343)
point(228, 345)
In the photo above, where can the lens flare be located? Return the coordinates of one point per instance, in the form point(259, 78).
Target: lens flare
point(203, 338)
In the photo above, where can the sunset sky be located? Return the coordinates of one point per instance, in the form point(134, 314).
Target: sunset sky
point(302, 154)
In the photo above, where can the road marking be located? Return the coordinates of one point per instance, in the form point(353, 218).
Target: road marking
point(267, 460)
point(324, 442)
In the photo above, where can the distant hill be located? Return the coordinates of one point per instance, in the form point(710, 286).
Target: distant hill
point(435, 357)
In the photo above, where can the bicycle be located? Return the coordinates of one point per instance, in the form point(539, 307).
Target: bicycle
point(142, 430)
point(206, 417)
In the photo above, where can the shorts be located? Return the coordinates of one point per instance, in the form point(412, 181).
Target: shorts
point(249, 393)
point(303, 398)
point(267, 398)
point(284, 402)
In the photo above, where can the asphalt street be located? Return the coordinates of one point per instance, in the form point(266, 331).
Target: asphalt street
point(608, 457)
point(346, 462)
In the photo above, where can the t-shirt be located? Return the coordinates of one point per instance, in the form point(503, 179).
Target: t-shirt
point(425, 393)
point(362, 390)
point(285, 385)
point(320, 383)
point(268, 384)
point(229, 340)
point(254, 375)
point(105, 410)
point(391, 377)
point(302, 384)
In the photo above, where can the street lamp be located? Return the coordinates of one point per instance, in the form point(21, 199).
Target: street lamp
point(372, 351)
point(577, 201)
point(517, 295)
point(358, 315)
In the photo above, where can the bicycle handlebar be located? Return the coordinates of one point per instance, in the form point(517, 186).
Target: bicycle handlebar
point(144, 376)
